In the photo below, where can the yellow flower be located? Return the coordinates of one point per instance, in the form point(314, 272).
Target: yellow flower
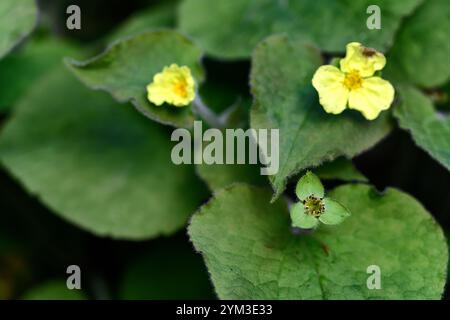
point(354, 84)
point(174, 85)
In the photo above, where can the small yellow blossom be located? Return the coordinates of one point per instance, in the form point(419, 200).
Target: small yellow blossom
point(174, 85)
point(354, 84)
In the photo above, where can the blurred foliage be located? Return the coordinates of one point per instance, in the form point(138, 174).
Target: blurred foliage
point(83, 177)
point(170, 270)
point(247, 22)
point(103, 150)
point(26, 66)
point(17, 21)
point(422, 45)
point(53, 290)
point(340, 169)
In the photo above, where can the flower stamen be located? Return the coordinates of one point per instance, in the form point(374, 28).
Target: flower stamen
point(180, 88)
point(353, 80)
point(314, 206)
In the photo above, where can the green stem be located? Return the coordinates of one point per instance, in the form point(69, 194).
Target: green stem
point(205, 113)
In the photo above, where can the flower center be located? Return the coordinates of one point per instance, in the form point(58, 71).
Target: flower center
point(314, 206)
point(180, 88)
point(353, 80)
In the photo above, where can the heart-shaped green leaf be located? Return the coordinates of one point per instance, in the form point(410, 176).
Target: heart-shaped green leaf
point(429, 128)
point(17, 20)
point(128, 66)
point(232, 28)
point(96, 163)
point(251, 253)
point(284, 99)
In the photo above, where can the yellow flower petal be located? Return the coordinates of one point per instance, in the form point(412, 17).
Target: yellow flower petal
point(329, 83)
point(364, 60)
point(374, 96)
point(174, 85)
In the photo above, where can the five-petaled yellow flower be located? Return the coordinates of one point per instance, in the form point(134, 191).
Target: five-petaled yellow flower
point(174, 85)
point(354, 83)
